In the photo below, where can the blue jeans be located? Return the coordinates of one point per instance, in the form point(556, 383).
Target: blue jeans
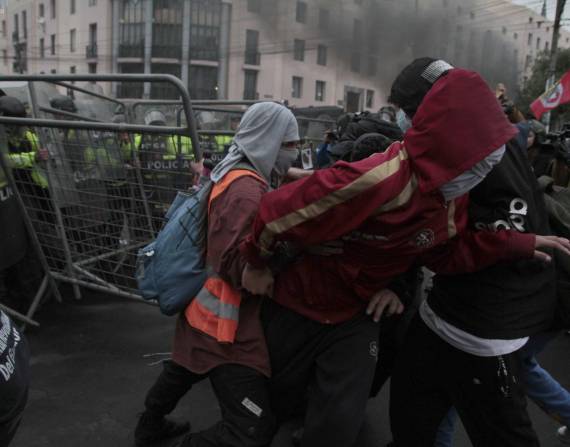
point(540, 386)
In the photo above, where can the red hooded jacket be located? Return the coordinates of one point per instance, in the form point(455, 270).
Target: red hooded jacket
point(388, 209)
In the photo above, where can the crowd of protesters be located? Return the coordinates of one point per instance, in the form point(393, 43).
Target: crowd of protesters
point(313, 298)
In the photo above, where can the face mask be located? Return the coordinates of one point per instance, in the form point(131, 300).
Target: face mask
point(471, 178)
point(285, 159)
point(404, 122)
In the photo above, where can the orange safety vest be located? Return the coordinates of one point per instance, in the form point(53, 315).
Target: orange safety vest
point(215, 310)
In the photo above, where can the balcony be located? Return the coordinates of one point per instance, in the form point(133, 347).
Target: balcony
point(252, 57)
point(166, 51)
point(131, 50)
point(91, 51)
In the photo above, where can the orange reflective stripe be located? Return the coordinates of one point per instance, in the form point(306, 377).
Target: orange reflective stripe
point(228, 179)
point(199, 317)
point(223, 291)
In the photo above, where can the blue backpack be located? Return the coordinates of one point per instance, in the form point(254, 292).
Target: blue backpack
point(171, 269)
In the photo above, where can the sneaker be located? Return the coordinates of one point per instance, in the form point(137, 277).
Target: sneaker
point(152, 429)
point(564, 435)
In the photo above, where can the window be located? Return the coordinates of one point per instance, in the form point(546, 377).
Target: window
point(25, 24)
point(252, 47)
point(530, 20)
point(538, 24)
point(250, 84)
point(93, 3)
point(357, 32)
point(92, 34)
point(515, 36)
point(369, 99)
point(52, 8)
point(72, 6)
point(72, 35)
point(297, 91)
point(52, 44)
point(529, 39)
point(355, 62)
point(92, 68)
point(254, 5)
point(4, 28)
point(320, 90)
point(41, 10)
point(546, 46)
point(538, 43)
point(372, 66)
point(16, 26)
point(504, 30)
point(205, 25)
point(53, 71)
point(301, 13)
point(322, 55)
point(472, 15)
point(528, 61)
point(42, 48)
point(73, 69)
point(5, 56)
point(324, 19)
point(299, 50)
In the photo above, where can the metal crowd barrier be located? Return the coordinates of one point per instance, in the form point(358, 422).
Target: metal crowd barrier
point(95, 192)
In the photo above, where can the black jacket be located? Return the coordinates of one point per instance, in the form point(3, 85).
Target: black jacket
point(506, 301)
point(14, 370)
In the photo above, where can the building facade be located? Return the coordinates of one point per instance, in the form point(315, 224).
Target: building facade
point(307, 52)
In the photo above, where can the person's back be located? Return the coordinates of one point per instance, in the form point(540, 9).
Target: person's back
point(14, 378)
point(505, 300)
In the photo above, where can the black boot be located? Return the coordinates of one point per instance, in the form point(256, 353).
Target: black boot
point(153, 428)
point(297, 436)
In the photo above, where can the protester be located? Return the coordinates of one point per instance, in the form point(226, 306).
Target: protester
point(462, 349)
point(14, 378)
point(390, 211)
point(228, 347)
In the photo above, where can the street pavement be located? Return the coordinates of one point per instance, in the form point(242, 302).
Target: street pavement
point(91, 370)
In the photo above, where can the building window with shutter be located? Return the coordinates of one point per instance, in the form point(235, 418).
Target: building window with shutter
point(322, 55)
point(301, 12)
point(320, 90)
point(299, 50)
point(297, 87)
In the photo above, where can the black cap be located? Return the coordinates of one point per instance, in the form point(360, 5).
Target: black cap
point(13, 107)
point(62, 102)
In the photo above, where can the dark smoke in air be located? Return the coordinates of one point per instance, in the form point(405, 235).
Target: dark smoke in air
point(466, 33)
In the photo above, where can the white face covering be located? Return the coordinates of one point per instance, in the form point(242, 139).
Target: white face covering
point(465, 182)
point(285, 159)
point(404, 122)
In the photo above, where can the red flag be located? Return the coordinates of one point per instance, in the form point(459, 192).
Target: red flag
point(558, 94)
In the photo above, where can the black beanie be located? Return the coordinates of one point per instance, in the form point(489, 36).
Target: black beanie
point(410, 88)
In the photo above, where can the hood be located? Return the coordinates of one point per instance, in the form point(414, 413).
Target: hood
point(458, 124)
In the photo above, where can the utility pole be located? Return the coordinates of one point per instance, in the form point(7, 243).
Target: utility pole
point(560, 4)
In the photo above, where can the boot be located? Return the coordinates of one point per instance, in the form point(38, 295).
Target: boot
point(152, 428)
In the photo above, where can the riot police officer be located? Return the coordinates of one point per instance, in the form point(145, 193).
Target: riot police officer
point(165, 165)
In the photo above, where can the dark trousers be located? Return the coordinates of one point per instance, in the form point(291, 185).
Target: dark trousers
point(335, 363)
point(8, 430)
point(431, 376)
point(242, 392)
